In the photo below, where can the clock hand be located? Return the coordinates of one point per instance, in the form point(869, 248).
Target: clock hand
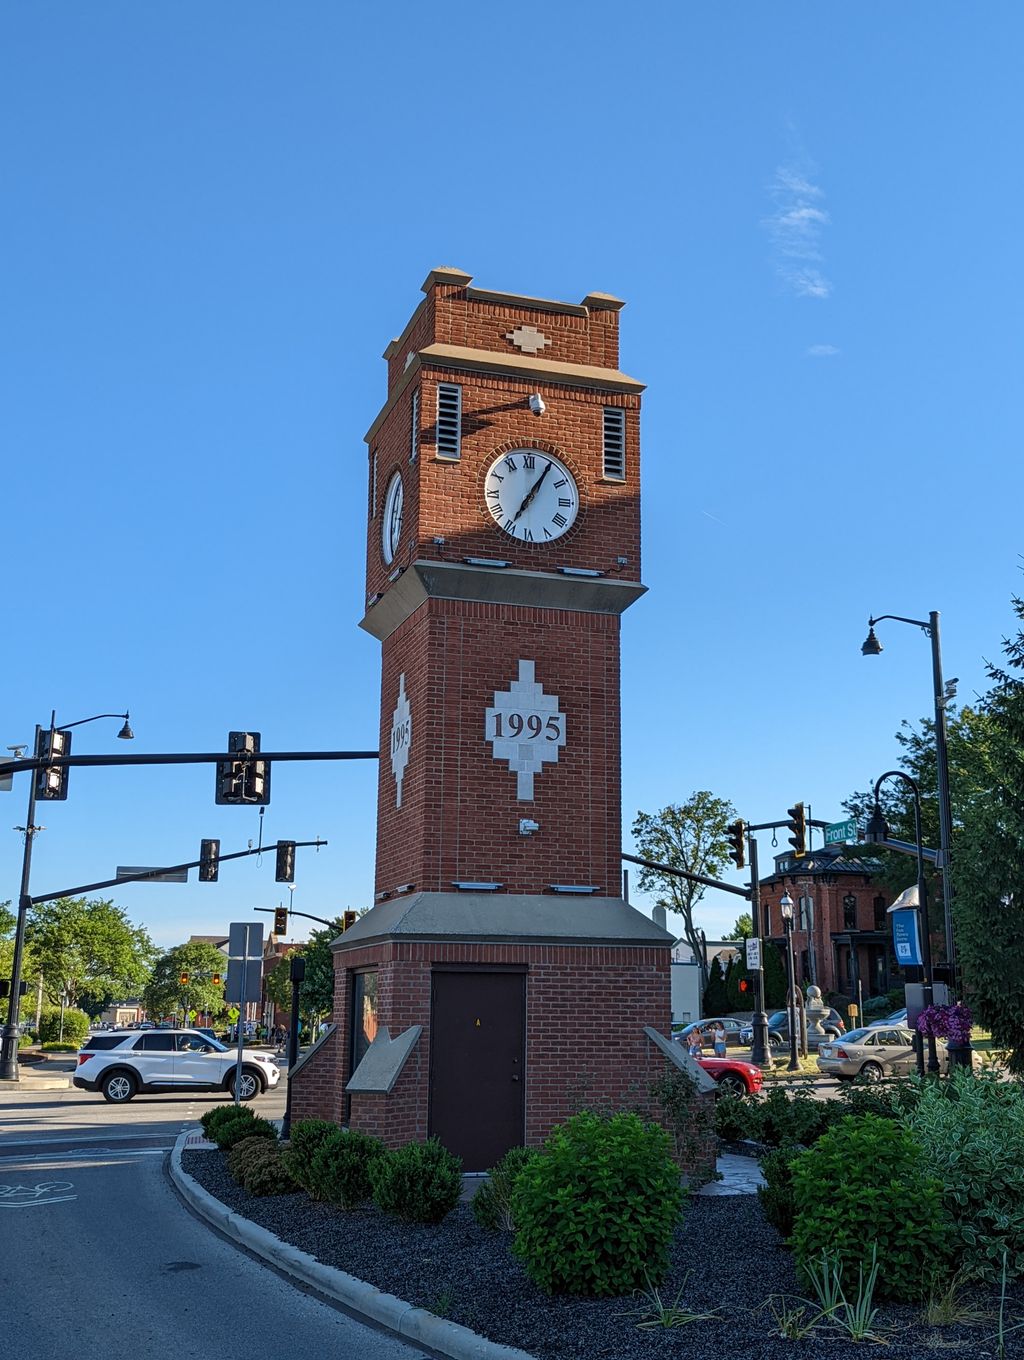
point(531, 493)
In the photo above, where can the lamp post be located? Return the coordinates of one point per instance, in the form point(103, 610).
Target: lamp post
point(9, 1044)
point(786, 908)
point(878, 830)
point(943, 693)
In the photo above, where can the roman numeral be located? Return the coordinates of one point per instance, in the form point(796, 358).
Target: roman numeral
point(562, 481)
point(547, 532)
point(510, 463)
point(527, 536)
point(564, 500)
point(528, 461)
point(494, 494)
point(560, 520)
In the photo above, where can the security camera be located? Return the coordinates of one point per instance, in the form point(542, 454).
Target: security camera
point(527, 827)
point(537, 404)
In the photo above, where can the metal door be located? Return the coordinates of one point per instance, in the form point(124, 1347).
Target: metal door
point(477, 1056)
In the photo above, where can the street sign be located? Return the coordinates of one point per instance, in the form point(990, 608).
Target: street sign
point(838, 832)
point(234, 993)
point(156, 875)
point(753, 953)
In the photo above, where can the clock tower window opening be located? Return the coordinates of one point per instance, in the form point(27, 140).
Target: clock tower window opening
point(449, 421)
point(414, 426)
point(615, 443)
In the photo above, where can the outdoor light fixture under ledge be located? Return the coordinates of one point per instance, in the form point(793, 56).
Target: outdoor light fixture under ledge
point(477, 887)
point(372, 599)
point(580, 571)
point(394, 575)
point(381, 896)
point(403, 888)
point(486, 562)
point(577, 888)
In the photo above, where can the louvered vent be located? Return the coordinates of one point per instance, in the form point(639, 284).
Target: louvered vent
point(449, 420)
point(414, 427)
point(615, 442)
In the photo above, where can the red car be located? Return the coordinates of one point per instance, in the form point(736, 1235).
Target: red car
point(733, 1075)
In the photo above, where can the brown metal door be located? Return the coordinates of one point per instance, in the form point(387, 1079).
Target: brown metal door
point(477, 1049)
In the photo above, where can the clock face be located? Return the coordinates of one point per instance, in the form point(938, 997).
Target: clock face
point(391, 524)
point(531, 495)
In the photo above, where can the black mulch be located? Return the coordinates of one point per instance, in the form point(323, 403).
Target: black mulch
point(726, 1258)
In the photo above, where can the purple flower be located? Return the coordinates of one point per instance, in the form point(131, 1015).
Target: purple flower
point(947, 1022)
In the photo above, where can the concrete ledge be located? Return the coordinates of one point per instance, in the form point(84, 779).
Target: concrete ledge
point(413, 1324)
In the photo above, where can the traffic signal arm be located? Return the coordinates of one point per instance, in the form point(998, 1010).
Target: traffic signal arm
point(683, 873)
point(83, 888)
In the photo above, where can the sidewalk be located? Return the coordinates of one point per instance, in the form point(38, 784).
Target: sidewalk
point(47, 1072)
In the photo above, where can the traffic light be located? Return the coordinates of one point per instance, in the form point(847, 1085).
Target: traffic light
point(285, 863)
point(184, 979)
point(736, 835)
point(215, 978)
point(244, 780)
point(349, 919)
point(280, 920)
point(52, 780)
point(209, 861)
point(798, 827)
point(744, 985)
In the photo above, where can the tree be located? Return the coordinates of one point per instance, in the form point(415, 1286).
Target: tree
point(743, 929)
point(688, 836)
point(716, 1000)
point(166, 994)
point(88, 951)
point(988, 862)
point(316, 995)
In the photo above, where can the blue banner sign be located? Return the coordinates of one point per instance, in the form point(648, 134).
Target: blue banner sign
point(906, 938)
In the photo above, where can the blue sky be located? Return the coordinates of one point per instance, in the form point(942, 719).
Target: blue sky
point(216, 218)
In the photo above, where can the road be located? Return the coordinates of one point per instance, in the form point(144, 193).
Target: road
point(104, 1259)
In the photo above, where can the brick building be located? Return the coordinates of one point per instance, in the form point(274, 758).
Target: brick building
point(845, 937)
point(500, 981)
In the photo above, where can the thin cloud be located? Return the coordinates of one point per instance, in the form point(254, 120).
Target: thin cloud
point(821, 351)
point(795, 228)
point(715, 518)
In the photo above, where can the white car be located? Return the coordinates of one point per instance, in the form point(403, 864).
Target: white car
point(125, 1062)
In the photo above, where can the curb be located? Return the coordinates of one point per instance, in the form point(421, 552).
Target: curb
point(24, 1084)
point(410, 1323)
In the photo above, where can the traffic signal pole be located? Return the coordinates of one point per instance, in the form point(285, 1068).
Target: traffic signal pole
point(759, 1052)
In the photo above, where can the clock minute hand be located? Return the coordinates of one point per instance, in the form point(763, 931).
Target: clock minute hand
point(531, 493)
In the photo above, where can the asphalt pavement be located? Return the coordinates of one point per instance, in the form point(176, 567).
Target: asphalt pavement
point(110, 1261)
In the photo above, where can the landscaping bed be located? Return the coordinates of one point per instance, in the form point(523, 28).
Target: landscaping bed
point(725, 1257)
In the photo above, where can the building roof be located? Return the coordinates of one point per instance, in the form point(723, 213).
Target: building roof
point(830, 860)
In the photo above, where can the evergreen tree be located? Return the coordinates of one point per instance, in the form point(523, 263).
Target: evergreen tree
point(716, 1000)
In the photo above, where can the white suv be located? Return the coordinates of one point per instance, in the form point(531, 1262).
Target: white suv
point(125, 1062)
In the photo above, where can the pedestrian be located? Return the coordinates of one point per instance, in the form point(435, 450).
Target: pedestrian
point(719, 1033)
point(694, 1045)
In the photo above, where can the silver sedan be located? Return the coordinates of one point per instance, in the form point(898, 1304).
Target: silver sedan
point(869, 1053)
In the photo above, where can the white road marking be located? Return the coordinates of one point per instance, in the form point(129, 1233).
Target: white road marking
point(27, 1196)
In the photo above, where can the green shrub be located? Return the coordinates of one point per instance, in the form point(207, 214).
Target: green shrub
point(222, 1114)
point(796, 1118)
point(340, 1169)
point(76, 1026)
point(58, 1048)
point(737, 1118)
point(232, 1131)
point(492, 1205)
point(268, 1175)
point(303, 1144)
point(595, 1211)
point(971, 1132)
point(776, 1195)
point(420, 1182)
point(246, 1151)
point(888, 1099)
point(863, 1183)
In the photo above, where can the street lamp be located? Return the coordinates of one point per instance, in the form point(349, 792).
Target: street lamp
point(943, 693)
point(878, 830)
point(9, 1044)
point(786, 907)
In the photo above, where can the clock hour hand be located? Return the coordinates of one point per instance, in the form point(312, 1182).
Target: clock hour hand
point(531, 493)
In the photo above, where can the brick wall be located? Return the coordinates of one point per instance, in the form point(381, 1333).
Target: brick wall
point(460, 808)
point(586, 1008)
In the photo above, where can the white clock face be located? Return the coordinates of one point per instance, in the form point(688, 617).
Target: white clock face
point(391, 525)
point(531, 495)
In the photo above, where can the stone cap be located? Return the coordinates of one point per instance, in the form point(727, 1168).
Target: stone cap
point(381, 1065)
point(681, 1059)
point(445, 273)
point(508, 918)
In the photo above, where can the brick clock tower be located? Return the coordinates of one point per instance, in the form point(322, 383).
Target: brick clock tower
point(499, 981)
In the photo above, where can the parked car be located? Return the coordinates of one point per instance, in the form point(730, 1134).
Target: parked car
point(898, 1018)
point(706, 1027)
point(871, 1053)
point(778, 1027)
point(122, 1064)
point(733, 1075)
